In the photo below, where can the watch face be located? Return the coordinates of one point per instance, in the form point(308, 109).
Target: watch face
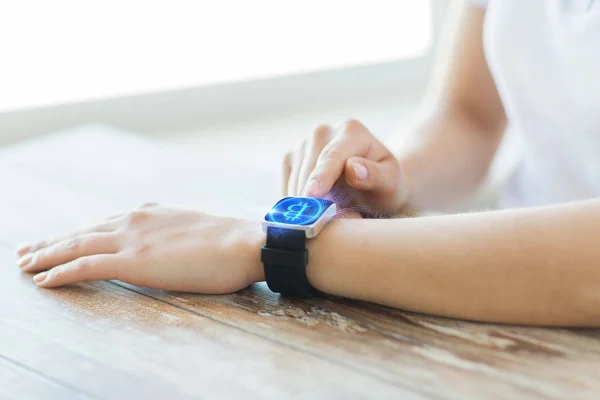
point(298, 210)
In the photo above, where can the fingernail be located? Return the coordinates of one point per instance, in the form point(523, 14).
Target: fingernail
point(23, 249)
point(25, 260)
point(312, 188)
point(39, 278)
point(360, 171)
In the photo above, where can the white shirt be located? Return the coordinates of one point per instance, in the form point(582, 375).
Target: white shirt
point(544, 56)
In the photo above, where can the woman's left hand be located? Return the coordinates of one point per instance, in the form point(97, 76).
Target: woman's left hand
point(156, 247)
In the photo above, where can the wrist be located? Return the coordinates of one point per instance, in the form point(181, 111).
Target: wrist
point(247, 242)
point(322, 256)
point(248, 239)
point(325, 252)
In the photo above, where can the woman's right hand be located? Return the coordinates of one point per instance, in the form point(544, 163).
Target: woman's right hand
point(351, 152)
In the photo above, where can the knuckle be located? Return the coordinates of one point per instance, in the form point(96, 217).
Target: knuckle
point(330, 153)
point(137, 217)
point(39, 245)
point(321, 133)
point(57, 272)
point(149, 205)
point(142, 250)
point(287, 160)
point(353, 127)
point(37, 256)
point(73, 244)
point(81, 265)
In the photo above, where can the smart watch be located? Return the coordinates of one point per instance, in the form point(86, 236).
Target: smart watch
point(288, 224)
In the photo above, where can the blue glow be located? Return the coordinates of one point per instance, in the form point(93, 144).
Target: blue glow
point(297, 210)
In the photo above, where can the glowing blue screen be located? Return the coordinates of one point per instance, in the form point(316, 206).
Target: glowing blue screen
point(298, 210)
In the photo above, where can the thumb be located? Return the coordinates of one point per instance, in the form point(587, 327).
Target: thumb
point(363, 174)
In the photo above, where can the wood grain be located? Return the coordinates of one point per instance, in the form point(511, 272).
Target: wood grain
point(111, 342)
point(384, 352)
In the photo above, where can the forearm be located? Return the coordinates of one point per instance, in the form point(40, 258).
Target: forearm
point(447, 159)
point(530, 266)
point(449, 154)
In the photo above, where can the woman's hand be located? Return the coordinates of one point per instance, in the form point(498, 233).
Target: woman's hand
point(353, 153)
point(157, 247)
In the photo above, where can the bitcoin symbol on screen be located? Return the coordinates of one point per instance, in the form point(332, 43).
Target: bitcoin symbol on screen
point(295, 211)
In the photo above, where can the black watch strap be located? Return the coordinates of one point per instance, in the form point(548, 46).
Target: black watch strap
point(285, 258)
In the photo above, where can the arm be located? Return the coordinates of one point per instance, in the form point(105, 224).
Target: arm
point(531, 266)
point(443, 160)
point(447, 156)
point(536, 266)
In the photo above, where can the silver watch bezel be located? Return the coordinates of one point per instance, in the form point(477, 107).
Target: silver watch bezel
point(311, 230)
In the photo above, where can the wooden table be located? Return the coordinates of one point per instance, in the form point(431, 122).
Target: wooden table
point(110, 340)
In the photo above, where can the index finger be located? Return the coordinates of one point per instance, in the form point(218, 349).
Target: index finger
point(90, 268)
point(350, 142)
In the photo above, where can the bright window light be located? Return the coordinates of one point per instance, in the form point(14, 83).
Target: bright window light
point(63, 51)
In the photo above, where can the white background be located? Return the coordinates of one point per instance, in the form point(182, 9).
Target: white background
point(65, 51)
point(246, 80)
